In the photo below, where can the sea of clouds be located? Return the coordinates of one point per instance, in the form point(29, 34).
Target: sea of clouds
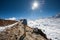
point(51, 27)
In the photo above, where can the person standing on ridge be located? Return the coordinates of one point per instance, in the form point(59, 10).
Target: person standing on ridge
point(24, 24)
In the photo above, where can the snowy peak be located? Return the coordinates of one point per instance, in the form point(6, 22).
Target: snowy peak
point(58, 15)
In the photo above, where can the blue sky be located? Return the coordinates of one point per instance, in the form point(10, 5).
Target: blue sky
point(23, 8)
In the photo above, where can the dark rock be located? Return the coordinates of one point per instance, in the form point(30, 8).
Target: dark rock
point(38, 31)
point(22, 37)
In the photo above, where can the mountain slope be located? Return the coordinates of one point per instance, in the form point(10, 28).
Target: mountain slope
point(17, 32)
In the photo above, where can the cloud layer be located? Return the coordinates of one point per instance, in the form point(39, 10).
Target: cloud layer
point(12, 18)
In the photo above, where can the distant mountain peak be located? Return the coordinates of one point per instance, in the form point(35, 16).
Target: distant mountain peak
point(58, 15)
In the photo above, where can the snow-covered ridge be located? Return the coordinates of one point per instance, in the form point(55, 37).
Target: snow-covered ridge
point(8, 26)
point(51, 27)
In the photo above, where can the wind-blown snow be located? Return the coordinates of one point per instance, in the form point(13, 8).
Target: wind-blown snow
point(51, 27)
point(9, 26)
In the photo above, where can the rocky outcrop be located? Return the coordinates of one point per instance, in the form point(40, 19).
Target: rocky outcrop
point(21, 32)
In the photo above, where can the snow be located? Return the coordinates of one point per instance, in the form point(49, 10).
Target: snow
point(51, 27)
point(9, 26)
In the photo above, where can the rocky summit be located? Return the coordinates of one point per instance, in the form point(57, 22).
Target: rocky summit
point(18, 30)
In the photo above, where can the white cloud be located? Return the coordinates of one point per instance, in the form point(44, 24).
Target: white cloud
point(51, 27)
point(12, 18)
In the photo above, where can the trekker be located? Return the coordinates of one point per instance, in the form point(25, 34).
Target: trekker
point(24, 22)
